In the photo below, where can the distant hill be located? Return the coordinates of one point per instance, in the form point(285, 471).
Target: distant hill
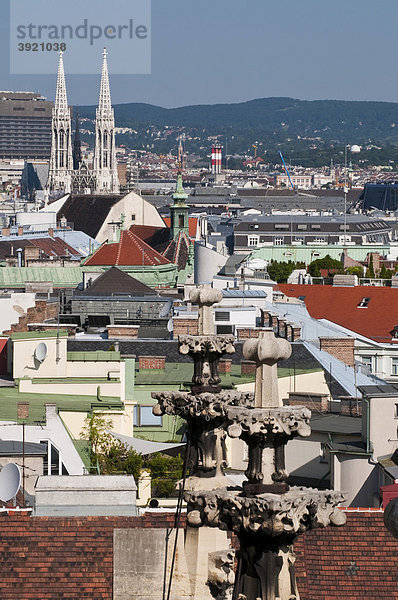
point(273, 121)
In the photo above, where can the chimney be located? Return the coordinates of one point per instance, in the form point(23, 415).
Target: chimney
point(51, 232)
point(20, 230)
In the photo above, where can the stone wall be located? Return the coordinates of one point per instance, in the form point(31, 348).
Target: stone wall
point(49, 558)
point(341, 348)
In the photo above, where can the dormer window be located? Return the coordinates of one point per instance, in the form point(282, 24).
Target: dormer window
point(364, 303)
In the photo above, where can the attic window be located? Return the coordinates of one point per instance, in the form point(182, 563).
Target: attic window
point(364, 303)
point(133, 217)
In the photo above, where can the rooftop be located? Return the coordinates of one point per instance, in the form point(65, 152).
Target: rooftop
point(345, 306)
point(129, 251)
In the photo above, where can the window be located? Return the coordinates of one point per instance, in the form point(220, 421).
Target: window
point(133, 217)
point(367, 362)
point(253, 226)
point(282, 226)
point(278, 241)
point(394, 367)
point(396, 411)
point(302, 227)
point(135, 416)
point(299, 239)
point(315, 226)
point(323, 458)
point(253, 240)
point(147, 418)
point(224, 329)
point(319, 240)
point(222, 315)
point(364, 303)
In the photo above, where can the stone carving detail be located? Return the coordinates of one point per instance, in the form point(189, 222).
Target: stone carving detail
point(206, 352)
point(267, 526)
point(266, 350)
point(265, 515)
point(205, 415)
point(269, 422)
point(221, 574)
point(272, 515)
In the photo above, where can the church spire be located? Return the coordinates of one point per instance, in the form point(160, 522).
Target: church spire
point(61, 99)
point(61, 162)
point(105, 165)
point(77, 149)
point(104, 104)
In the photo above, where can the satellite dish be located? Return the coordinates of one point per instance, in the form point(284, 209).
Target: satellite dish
point(10, 481)
point(41, 352)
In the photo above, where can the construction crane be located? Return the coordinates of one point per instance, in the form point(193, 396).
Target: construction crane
point(286, 169)
point(255, 150)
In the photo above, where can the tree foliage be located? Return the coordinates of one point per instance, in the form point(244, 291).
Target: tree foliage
point(280, 271)
point(112, 456)
point(331, 265)
point(165, 472)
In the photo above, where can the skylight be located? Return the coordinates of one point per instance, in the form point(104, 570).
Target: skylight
point(364, 303)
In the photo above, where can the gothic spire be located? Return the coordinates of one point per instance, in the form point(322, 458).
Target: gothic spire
point(77, 149)
point(61, 100)
point(104, 104)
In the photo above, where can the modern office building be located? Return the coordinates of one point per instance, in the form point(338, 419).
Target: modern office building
point(25, 125)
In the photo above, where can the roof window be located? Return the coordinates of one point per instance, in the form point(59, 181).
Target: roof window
point(364, 303)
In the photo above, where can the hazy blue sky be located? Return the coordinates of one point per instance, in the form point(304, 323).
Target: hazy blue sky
point(209, 51)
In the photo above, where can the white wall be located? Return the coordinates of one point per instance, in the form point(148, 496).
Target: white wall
point(25, 364)
point(132, 204)
point(13, 307)
point(54, 431)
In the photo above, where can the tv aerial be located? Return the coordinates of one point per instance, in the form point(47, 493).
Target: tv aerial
point(10, 481)
point(40, 352)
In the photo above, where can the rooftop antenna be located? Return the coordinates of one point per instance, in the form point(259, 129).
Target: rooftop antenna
point(10, 481)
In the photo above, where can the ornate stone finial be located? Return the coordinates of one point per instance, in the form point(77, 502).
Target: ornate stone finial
point(205, 296)
point(266, 351)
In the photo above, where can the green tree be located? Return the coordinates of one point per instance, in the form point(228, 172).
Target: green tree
point(121, 459)
point(280, 271)
point(370, 272)
point(165, 472)
point(96, 430)
point(106, 452)
point(385, 273)
point(331, 265)
point(355, 271)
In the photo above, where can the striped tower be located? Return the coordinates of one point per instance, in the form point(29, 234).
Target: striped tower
point(216, 158)
point(105, 166)
point(61, 161)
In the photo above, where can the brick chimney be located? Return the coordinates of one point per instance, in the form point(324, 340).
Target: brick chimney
point(341, 348)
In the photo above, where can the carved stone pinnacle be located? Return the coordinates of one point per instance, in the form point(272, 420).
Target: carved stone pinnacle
point(266, 351)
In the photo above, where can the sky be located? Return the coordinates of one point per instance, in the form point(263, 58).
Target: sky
point(222, 51)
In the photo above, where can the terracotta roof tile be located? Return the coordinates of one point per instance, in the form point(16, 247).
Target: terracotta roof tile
point(341, 305)
point(129, 251)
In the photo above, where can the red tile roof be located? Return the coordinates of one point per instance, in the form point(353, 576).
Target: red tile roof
point(341, 305)
point(130, 251)
point(54, 246)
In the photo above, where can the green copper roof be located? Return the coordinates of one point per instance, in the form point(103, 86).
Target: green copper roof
point(24, 335)
point(179, 196)
point(61, 277)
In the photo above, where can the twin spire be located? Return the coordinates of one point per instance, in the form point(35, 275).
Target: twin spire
point(61, 99)
point(104, 103)
point(63, 174)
